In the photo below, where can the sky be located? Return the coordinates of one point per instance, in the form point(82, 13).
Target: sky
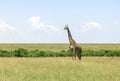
point(43, 21)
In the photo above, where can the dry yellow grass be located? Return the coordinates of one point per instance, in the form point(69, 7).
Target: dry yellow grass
point(60, 69)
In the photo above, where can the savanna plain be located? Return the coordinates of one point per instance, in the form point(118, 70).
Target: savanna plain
point(59, 68)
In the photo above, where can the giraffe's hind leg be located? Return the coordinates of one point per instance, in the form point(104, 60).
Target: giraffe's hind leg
point(79, 52)
point(79, 56)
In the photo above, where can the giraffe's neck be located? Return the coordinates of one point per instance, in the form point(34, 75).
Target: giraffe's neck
point(69, 36)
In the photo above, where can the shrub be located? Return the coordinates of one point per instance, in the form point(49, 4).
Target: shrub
point(50, 54)
point(63, 53)
point(21, 52)
point(36, 53)
point(3, 53)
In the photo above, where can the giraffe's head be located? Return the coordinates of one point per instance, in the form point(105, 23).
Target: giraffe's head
point(66, 27)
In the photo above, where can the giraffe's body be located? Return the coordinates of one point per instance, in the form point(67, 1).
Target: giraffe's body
point(76, 50)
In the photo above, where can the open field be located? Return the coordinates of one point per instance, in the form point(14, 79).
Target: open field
point(60, 69)
point(59, 47)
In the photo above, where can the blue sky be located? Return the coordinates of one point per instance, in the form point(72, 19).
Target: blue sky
point(43, 21)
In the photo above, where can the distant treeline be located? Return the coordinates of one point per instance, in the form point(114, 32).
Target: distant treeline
point(21, 52)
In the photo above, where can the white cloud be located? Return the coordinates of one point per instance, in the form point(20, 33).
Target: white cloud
point(36, 23)
point(4, 26)
point(116, 23)
point(6, 31)
point(91, 26)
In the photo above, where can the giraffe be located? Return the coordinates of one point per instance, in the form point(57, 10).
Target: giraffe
point(74, 48)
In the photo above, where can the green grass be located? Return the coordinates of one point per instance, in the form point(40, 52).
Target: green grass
point(59, 47)
point(101, 46)
point(60, 69)
point(50, 47)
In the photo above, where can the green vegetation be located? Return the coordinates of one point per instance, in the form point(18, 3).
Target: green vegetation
point(38, 53)
point(42, 47)
point(59, 47)
point(60, 69)
point(56, 50)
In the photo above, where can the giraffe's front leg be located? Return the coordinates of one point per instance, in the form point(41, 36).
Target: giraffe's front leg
point(74, 54)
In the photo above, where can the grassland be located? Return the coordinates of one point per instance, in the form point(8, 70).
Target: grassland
point(60, 69)
point(59, 47)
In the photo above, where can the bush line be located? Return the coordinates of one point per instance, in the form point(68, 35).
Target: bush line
point(21, 52)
